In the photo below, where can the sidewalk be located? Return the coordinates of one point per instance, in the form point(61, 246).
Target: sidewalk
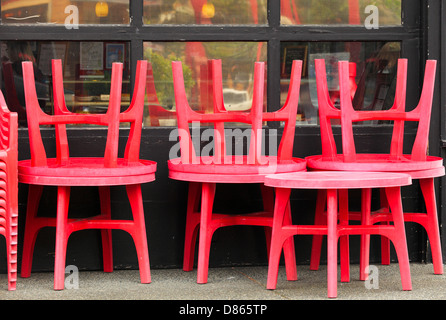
point(238, 283)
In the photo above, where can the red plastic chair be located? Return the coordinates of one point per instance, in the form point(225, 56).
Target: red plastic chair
point(333, 182)
point(8, 188)
point(418, 164)
point(205, 172)
point(66, 171)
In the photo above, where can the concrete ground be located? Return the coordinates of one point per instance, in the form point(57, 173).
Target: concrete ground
point(231, 283)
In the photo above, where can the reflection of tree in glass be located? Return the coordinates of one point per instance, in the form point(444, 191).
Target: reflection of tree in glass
point(162, 74)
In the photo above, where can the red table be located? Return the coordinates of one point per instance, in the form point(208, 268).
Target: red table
point(332, 182)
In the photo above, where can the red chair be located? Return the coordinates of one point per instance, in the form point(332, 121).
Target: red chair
point(417, 164)
point(333, 182)
point(65, 171)
point(204, 172)
point(8, 188)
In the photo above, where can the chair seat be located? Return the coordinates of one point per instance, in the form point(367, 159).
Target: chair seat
point(86, 172)
point(432, 167)
point(234, 169)
point(337, 180)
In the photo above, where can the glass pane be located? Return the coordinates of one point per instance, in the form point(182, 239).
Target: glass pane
point(86, 68)
point(370, 13)
point(237, 66)
point(373, 73)
point(70, 13)
point(205, 12)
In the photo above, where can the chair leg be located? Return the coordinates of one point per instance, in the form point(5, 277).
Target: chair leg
point(139, 233)
point(432, 228)
point(344, 240)
point(319, 219)
point(268, 206)
point(206, 231)
point(62, 234)
point(106, 234)
point(289, 251)
point(288, 247)
point(365, 238)
point(385, 242)
point(11, 251)
point(192, 223)
point(399, 237)
point(31, 229)
point(332, 243)
point(10, 233)
point(277, 239)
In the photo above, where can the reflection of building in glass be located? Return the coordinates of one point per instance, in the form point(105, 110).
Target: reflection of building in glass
point(52, 11)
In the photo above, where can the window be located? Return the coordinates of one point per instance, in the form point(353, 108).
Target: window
point(194, 31)
point(237, 67)
point(86, 68)
point(373, 71)
point(202, 12)
point(61, 12)
point(328, 12)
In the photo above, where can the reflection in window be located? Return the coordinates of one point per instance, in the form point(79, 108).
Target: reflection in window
point(86, 67)
point(237, 66)
point(205, 12)
point(294, 12)
point(65, 12)
point(372, 71)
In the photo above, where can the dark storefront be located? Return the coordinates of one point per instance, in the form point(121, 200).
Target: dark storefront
point(89, 35)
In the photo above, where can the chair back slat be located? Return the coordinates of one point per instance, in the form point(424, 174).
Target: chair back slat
point(327, 112)
point(60, 108)
point(424, 108)
point(62, 116)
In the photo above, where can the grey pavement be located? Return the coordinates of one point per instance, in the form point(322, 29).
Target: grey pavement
point(230, 283)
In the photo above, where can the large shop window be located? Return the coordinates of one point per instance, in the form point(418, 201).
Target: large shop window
point(245, 31)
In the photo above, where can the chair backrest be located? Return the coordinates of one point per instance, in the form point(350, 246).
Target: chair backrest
point(397, 113)
point(8, 162)
point(286, 114)
point(62, 116)
point(254, 117)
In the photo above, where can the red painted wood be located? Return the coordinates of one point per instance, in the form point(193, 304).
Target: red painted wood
point(65, 171)
point(204, 173)
point(8, 188)
point(331, 183)
point(418, 164)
